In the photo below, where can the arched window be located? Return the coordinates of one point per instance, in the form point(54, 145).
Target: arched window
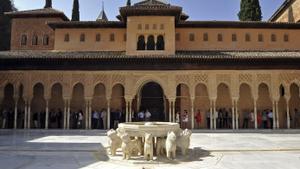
point(160, 45)
point(35, 40)
point(141, 45)
point(67, 37)
point(46, 40)
point(24, 40)
point(151, 43)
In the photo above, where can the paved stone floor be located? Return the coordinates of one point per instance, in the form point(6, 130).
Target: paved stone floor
point(40, 149)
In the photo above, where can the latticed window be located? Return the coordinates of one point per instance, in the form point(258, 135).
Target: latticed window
point(98, 37)
point(141, 45)
point(205, 37)
point(234, 37)
point(160, 45)
point(247, 37)
point(24, 40)
point(286, 37)
point(46, 40)
point(112, 37)
point(260, 38)
point(220, 37)
point(192, 37)
point(67, 38)
point(151, 43)
point(35, 40)
point(273, 38)
point(82, 37)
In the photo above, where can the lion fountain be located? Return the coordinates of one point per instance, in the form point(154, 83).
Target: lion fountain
point(140, 138)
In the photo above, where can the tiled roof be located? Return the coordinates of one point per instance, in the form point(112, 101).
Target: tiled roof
point(38, 13)
point(178, 55)
point(87, 24)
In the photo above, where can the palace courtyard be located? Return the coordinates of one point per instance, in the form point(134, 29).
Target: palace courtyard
point(86, 149)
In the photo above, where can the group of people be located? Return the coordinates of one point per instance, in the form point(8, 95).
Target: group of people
point(144, 115)
point(54, 120)
point(7, 117)
point(99, 119)
point(76, 120)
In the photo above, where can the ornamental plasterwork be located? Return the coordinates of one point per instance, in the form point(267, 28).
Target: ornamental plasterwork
point(223, 78)
point(201, 78)
point(245, 78)
point(13, 78)
point(264, 78)
point(116, 78)
point(100, 78)
point(184, 79)
point(78, 78)
point(38, 78)
point(289, 78)
point(56, 78)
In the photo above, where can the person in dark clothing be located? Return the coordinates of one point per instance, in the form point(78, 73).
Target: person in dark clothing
point(59, 118)
point(43, 119)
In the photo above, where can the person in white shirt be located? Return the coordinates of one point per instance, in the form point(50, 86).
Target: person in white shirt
point(270, 117)
point(177, 119)
point(141, 116)
point(148, 115)
point(103, 118)
point(185, 119)
point(95, 120)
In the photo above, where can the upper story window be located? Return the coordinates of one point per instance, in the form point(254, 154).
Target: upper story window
point(98, 37)
point(150, 43)
point(82, 37)
point(112, 37)
point(192, 37)
point(147, 26)
point(35, 40)
point(141, 45)
point(205, 37)
point(177, 37)
point(234, 37)
point(139, 26)
point(24, 40)
point(162, 26)
point(160, 45)
point(273, 38)
point(46, 40)
point(67, 37)
point(247, 37)
point(286, 37)
point(220, 37)
point(260, 38)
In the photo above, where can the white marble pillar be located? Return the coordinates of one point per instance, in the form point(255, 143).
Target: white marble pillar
point(68, 114)
point(211, 114)
point(255, 114)
point(16, 113)
point(173, 111)
point(130, 111)
point(108, 113)
point(274, 114)
point(214, 114)
point(29, 115)
point(65, 114)
point(127, 111)
point(288, 121)
point(233, 115)
point(90, 114)
point(47, 115)
point(192, 112)
point(25, 114)
point(86, 116)
point(170, 111)
point(277, 115)
point(237, 115)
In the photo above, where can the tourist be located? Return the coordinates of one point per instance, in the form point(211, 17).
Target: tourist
point(270, 118)
point(52, 118)
point(252, 119)
point(208, 119)
point(148, 115)
point(198, 119)
point(95, 119)
point(246, 119)
point(296, 119)
point(216, 117)
point(177, 118)
point(229, 119)
point(4, 118)
point(185, 119)
point(141, 116)
point(117, 117)
point(259, 120)
point(103, 118)
point(10, 119)
point(20, 119)
point(265, 119)
point(80, 120)
point(225, 118)
point(59, 118)
point(42, 119)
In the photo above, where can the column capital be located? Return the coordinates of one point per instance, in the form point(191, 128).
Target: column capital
point(66, 98)
point(172, 99)
point(235, 98)
point(88, 98)
point(287, 97)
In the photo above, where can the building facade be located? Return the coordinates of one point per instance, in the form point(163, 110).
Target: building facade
point(152, 58)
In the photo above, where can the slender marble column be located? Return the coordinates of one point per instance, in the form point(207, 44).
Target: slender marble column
point(16, 113)
point(170, 111)
point(214, 115)
point(65, 114)
point(86, 114)
point(25, 114)
point(47, 115)
point(130, 111)
point(127, 112)
point(277, 115)
point(29, 115)
point(237, 115)
point(68, 114)
point(274, 114)
point(288, 121)
point(108, 114)
point(211, 114)
point(192, 112)
point(255, 114)
point(173, 112)
point(233, 115)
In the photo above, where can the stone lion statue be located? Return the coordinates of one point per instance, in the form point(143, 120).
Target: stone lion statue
point(148, 147)
point(128, 146)
point(114, 141)
point(183, 141)
point(171, 145)
point(160, 146)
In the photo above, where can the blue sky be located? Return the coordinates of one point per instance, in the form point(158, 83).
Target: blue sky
point(196, 9)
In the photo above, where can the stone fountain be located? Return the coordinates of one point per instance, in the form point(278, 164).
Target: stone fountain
point(142, 138)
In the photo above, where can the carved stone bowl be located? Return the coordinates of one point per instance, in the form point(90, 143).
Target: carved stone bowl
point(157, 129)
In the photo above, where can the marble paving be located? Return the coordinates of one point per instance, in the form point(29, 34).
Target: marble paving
point(40, 149)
